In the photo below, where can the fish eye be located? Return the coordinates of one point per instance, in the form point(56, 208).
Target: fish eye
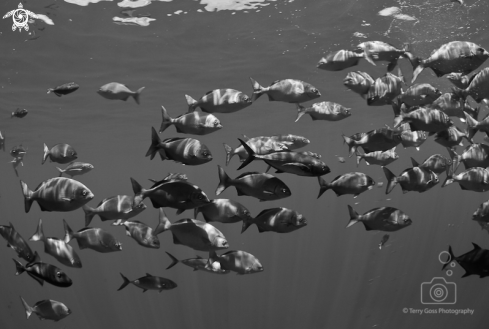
point(284, 190)
point(58, 274)
point(205, 153)
point(216, 123)
point(84, 193)
point(200, 197)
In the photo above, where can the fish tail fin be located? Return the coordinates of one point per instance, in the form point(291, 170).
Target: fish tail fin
point(166, 120)
point(224, 180)
point(351, 145)
point(417, 64)
point(137, 94)
point(246, 223)
point(229, 153)
point(354, 217)
point(163, 222)
point(174, 260)
point(460, 93)
point(449, 179)
point(301, 110)
point(68, 232)
point(28, 309)
point(139, 192)
point(400, 75)
point(455, 159)
point(192, 104)
point(50, 90)
point(125, 283)
point(18, 267)
point(471, 126)
point(323, 186)
point(251, 154)
point(61, 171)
point(257, 90)
point(46, 154)
point(89, 214)
point(452, 257)
point(27, 196)
point(391, 180)
point(39, 235)
point(154, 147)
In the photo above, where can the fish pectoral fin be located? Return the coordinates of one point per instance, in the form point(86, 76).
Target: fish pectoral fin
point(195, 269)
point(268, 192)
point(144, 290)
point(66, 199)
point(279, 171)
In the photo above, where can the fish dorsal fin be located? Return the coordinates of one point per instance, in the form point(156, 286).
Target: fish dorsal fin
point(229, 252)
point(245, 138)
point(265, 211)
point(476, 246)
point(172, 139)
point(199, 257)
point(105, 200)
point(84, 229)
point(414, 162)
point(247, 173)
point(274, 82)
point(147, 274)
point(336, 178)
point(209, 92)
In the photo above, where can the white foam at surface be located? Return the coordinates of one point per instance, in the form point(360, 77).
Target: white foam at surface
point(405, 17)
point(141, 21)
point(84, 2)
point(134, 4)
point(217, 5)
point(359, 35)
point(390, 11)
point(45, 19)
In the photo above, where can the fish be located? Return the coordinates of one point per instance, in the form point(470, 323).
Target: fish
point(420, 94)
point(328, 111)
point(459, 80)
point(475, 126)
point(453, 57)
point(18, 153)
point(193, 123)
point(64, 89)
point(194, 233)
point(481, 214)
point(198, 263)
point(413, 138)
point(381, 158)
point(279, 220)
point(41, 272)
point(385, 89)
point(454, 105)
point(19, 113)
point(426, 119)
point(376, 51)
point(359, 82)
point(60, 153)
point(187, 151)
point(237, 261)
point(412, 179)
point(382, 139)
point(350, 183)
point(451, 137)
point(474, 179)
point(264, 187)
point(113, 208)
point(92, 238)
point(341, 159)
point(437, 163)
point(385, 238)
point(143, 234)
point(75, 168)
point(288, 161)
point(475, 155)
point(16, 242)
point(386, 219)
point(260, 145)
point(58, 248)
point(173, 192)
point(115, 90)
point(57, 194)
point(220, 101)
point(47, 309)
point(286, 90)
point(2, 141)
point(339, 60)
point(474, 262)
point(224, 211)
point(149, 282)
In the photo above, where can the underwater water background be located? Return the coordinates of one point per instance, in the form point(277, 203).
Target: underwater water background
point(321, 276)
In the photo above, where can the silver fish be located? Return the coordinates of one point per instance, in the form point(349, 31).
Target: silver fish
point(149, 282)
point(426, 119)
point(19, 113)
point(60, 153)
point(376, 51)
point(198, 263)
point(260, 145)
point(385, 89)
point(16, 242)
point(41, 272)
point(224, 211)
point(436, 163)
point(115, 90)
point(47, 309)
point(75, 168)
point(420, 94)
point(381, 158)
point(115, 207)
point(92, 238)
point(412, 179)
point(286, 90)
point(380, 219)
point(64, 89)
point(328, 111)
point(143, 234)
point(382, 139)
point(474, 262)
point(237, 261)
point(474, 179)
point(359, 82)
point(194, 123)
point(475, 155)
point(459, 80)
point(279, 220)
point(413, 138)
point(350, 183)
point(339, 60)
point(451, 137)
point(57, 194)
point(220, 101)
point(57, 248)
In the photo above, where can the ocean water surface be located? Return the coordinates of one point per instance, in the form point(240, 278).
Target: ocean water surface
point(321, 276)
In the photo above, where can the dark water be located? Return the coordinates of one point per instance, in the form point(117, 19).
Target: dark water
point(322, 276)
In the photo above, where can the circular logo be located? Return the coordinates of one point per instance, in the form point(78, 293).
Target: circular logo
point(438, 293)
point(448, 260)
